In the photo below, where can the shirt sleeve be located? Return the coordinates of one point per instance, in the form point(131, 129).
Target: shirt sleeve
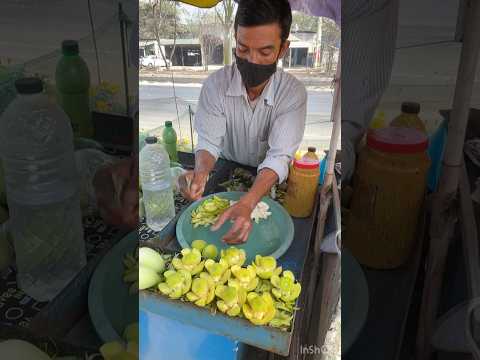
point(210, 120)
point(286, 134)
point(366, 69)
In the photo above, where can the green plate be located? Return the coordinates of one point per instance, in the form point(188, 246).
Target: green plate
point(111, 306)
point(270, 237)
point(355, 300)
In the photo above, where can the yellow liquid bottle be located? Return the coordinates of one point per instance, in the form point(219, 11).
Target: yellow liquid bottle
point(409, 117)
point(311, 155)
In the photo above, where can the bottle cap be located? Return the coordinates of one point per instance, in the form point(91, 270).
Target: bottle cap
point(30, 85)
point(312, 149)
point(302, 164)
point(151, 140)
point(70, 47)
point(397, 140)
point(168, 123)
point(410, 107)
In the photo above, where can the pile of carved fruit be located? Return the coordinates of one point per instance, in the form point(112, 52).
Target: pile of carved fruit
point(260, 292)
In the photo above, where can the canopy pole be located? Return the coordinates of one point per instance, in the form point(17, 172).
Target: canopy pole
point(124, 57)
point(445, 208)
point(94, 38)
point(328, 277)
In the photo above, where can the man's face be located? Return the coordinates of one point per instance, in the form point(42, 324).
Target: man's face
point(260, 44)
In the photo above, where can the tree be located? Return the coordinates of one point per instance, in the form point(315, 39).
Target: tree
point(208, 43)
point(224, 12)
point(304, 22)
point(160, 19)
point(330, 41)
point(206, 27)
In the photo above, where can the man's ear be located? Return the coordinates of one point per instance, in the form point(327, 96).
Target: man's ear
point(284, 48)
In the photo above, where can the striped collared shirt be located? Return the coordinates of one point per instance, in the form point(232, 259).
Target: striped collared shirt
point(265, 137)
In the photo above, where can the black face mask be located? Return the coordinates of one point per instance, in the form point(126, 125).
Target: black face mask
point(254, 74)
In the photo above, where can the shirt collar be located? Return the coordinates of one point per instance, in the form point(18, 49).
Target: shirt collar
point(236, 87)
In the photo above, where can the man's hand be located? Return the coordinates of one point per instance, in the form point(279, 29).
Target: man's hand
point(116, 190)
point(192, 184)
point(240, 213)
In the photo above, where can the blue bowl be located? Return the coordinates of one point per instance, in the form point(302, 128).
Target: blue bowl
point(270, 237)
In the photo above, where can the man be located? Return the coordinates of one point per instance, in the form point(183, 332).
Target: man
point(250, 112)
point(369, 32)
point(365, 76)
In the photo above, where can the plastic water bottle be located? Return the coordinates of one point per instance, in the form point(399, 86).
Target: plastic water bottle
point(155, 177)
point(36, 147)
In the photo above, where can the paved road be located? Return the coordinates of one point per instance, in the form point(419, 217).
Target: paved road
point(157, 105)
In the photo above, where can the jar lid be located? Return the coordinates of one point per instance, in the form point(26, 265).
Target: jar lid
point(397, 140)
point(302, 164)
point(410, 107)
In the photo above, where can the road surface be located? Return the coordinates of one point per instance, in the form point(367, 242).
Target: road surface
point(157, 105)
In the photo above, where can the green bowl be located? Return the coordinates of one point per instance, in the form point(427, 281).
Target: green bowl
point(270, 237)
point(355, 300)
point(110, 304)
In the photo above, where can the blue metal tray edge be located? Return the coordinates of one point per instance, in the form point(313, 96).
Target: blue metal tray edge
point(267, 338)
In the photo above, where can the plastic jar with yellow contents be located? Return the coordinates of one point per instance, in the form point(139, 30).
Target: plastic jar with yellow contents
point(302, 187)
point(389, 190)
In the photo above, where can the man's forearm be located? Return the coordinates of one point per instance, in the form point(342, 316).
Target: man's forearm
point(204, 162)
point(264, 181)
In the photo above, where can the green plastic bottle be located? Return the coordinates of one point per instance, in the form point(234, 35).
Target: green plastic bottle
point(73, 85)
point(169, 138)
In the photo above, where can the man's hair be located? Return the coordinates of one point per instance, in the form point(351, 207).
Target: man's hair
point(263, 12)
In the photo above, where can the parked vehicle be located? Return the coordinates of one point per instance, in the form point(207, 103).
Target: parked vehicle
point(153, 61)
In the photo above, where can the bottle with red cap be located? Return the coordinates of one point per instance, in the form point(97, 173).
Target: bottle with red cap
point(303, 185)
point(389, 189)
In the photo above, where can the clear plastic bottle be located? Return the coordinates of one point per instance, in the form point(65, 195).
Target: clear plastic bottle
point(36, 146)
point(155, 177)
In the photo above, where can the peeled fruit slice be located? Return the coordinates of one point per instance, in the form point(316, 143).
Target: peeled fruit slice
point(3, 194)
point(21, 350)
point(199, 244)
point(131, 333)
point(111, 349)
point(123, 356)
point(6, 250)
point(132, 348)
point(210, 252)
point(147, 278)
point(150, 258)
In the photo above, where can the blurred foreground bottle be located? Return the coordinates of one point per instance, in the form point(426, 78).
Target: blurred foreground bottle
point(72, 79)
point(169, 137)
point(36, 146)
